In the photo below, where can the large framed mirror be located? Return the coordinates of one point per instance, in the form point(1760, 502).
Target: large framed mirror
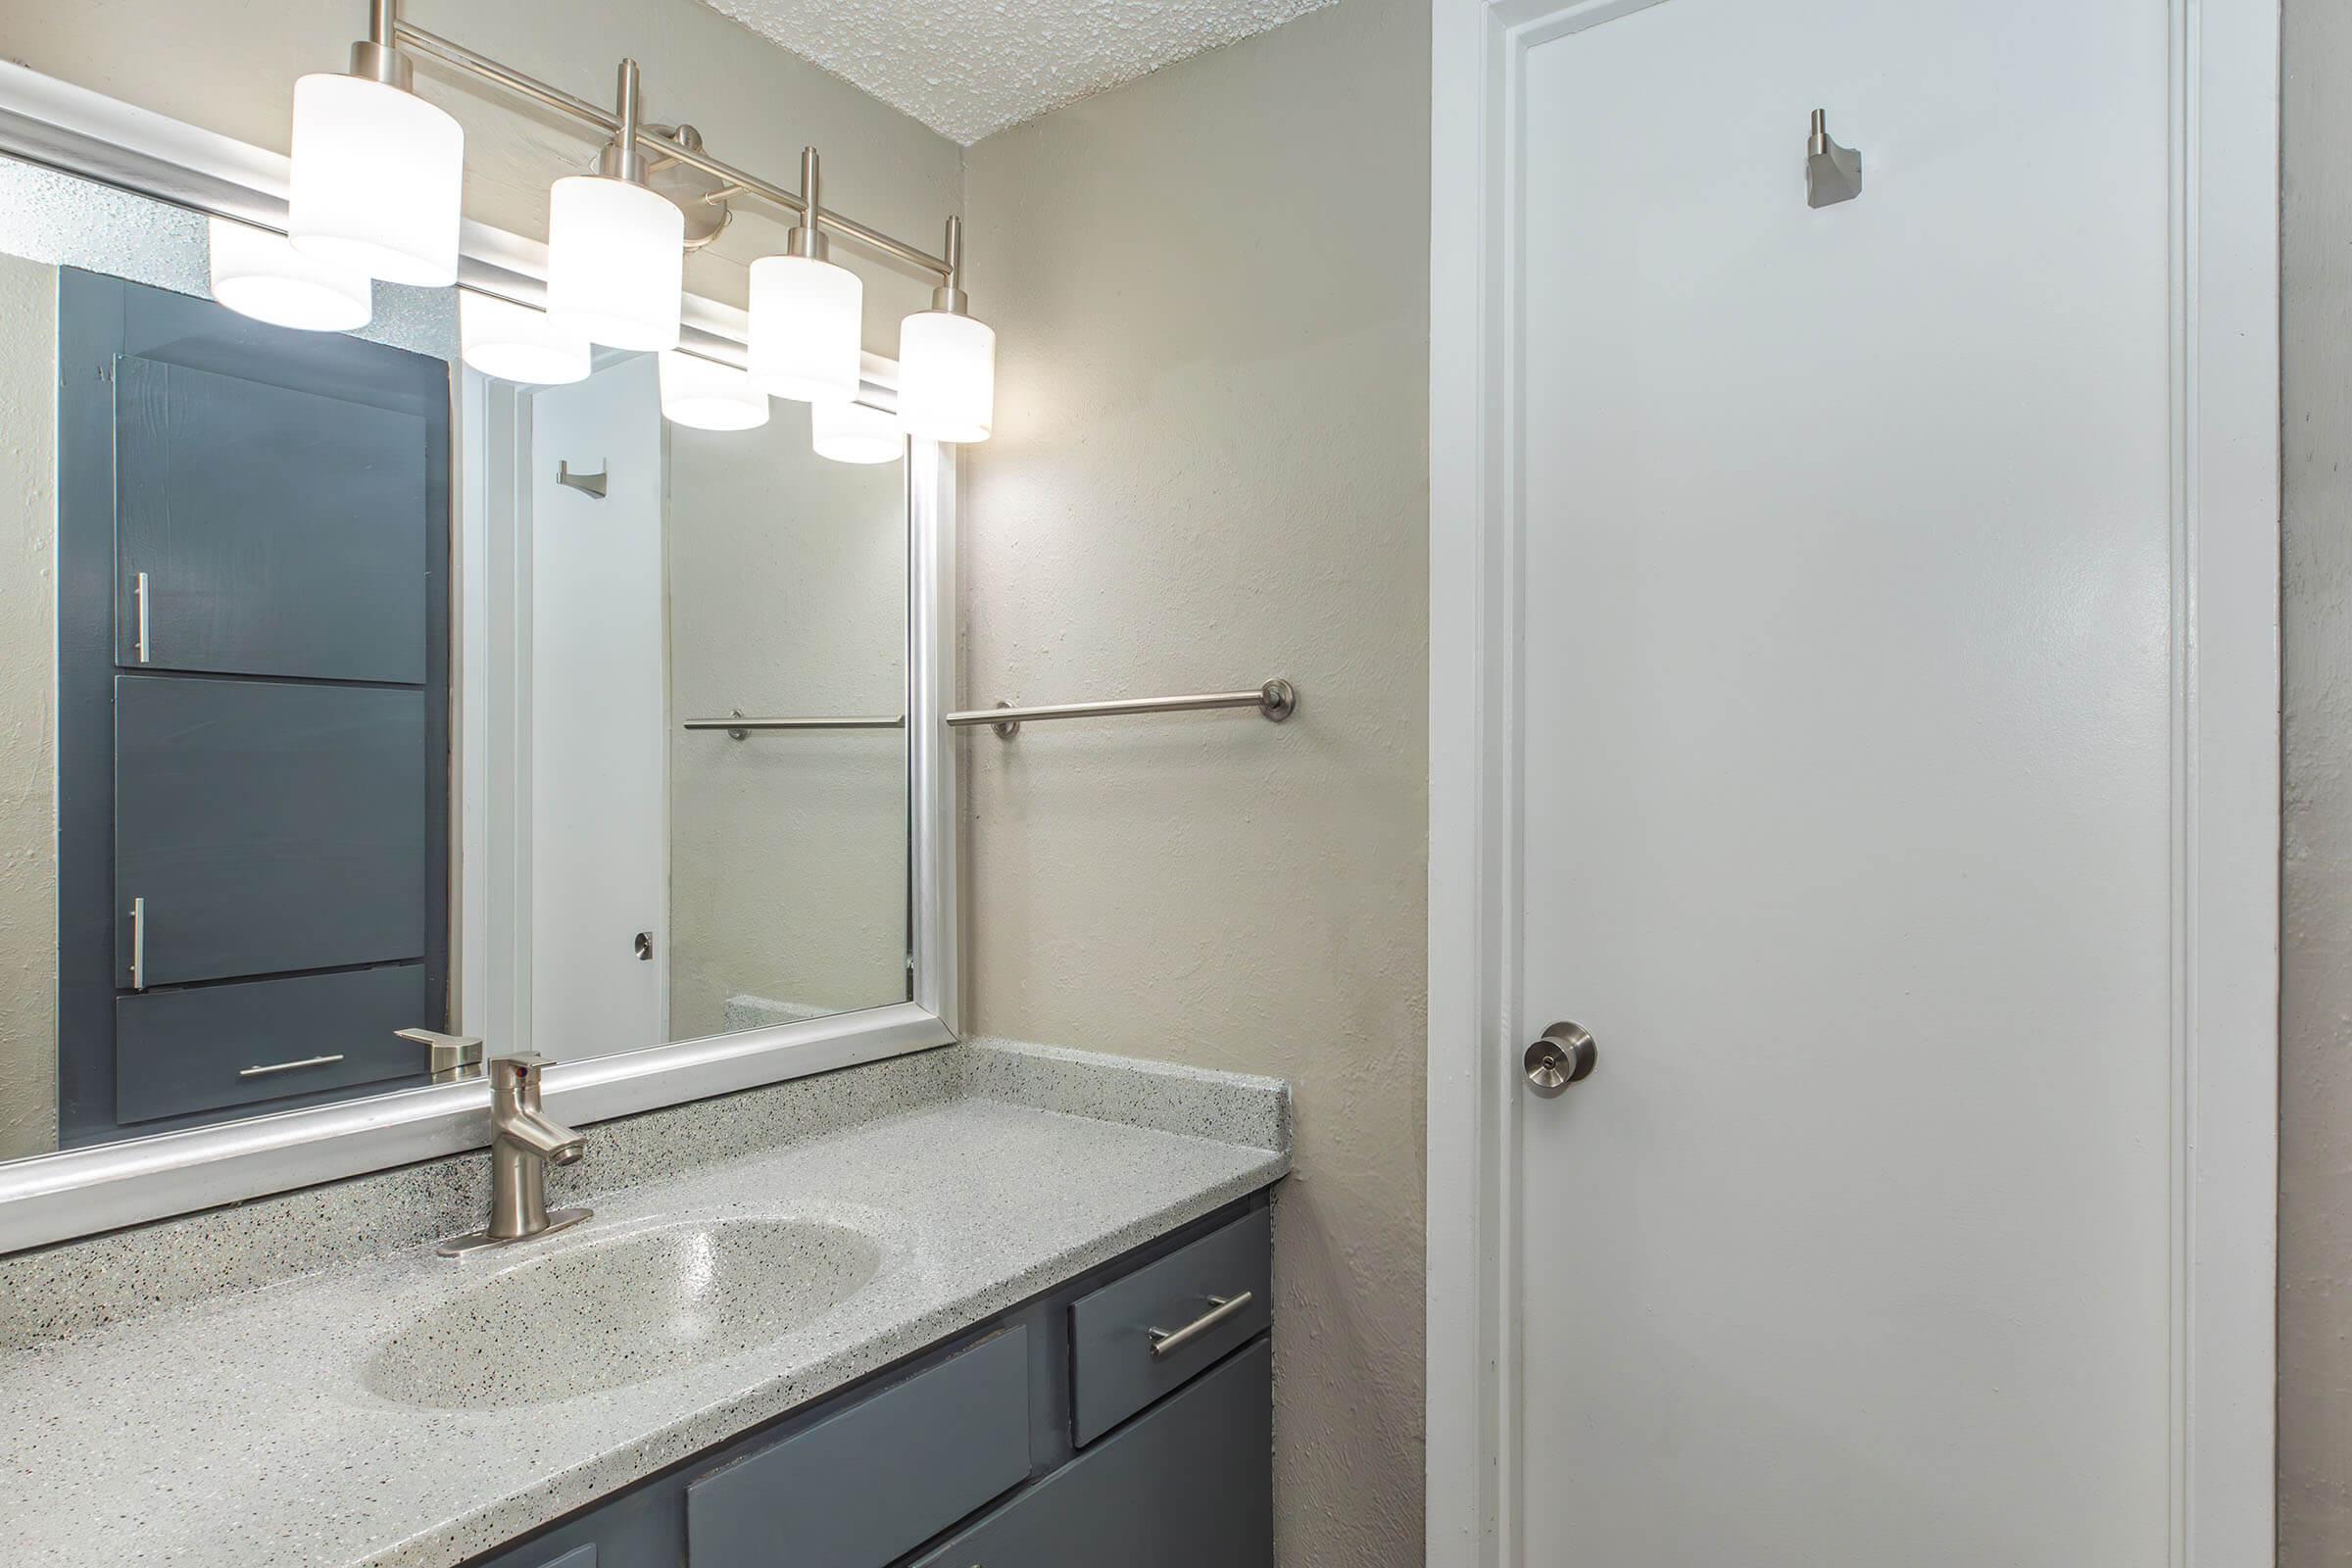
point(363, 707)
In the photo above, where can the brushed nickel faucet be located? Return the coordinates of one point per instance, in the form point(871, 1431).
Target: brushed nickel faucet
point(523, 1142)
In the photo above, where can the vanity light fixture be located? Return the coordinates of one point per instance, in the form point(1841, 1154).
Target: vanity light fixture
point(851, 432)
point(808, 315)
point(948, 362)
point(378, 175)
point(616, 248)
point(261, 275)
point(516, 343)
point(709, 395)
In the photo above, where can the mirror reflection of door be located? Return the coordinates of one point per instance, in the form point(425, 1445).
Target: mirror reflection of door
point(253, 531)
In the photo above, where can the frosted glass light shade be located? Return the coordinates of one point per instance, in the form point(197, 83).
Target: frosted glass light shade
point(709, 395)
point(947, 376)
point(615, 262)
point(377, 182)
point(257, 273)
point(516, 343)
point(806, 327)
point(851, 432)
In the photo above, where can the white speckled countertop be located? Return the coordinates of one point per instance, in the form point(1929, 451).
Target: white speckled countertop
point(235, 1429)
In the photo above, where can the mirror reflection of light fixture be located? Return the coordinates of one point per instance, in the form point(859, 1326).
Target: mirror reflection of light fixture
point(709, 395)
point(948, 362)
point(615, 249)
point(851, 432)
point(808, 315)
point(261, 275)
point(516, 343)
point(377, 177)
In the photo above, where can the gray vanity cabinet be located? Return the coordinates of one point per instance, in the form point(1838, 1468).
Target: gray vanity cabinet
point(980, 1451)
point(1188, 1486)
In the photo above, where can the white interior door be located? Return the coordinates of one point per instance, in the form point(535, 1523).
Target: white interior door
point(1847, 779)
point(599, 719)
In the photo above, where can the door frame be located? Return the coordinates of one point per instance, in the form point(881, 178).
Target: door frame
point(2225, 824)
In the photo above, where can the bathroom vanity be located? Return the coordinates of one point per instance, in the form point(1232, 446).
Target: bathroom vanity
point(1071, 1430)
point(991, 1304)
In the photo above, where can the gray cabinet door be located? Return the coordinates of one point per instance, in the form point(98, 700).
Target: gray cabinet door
point(281, 532)
point(1189, 1486)
point(863, 1488)
point(268, 826)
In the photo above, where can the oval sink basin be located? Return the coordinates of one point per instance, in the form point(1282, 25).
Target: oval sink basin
point(605, 1314)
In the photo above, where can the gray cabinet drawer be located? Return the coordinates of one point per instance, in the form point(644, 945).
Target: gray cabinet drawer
point(1114, 1371)
point(1189, 1486)
point(864, 1487)
point(179, 1052)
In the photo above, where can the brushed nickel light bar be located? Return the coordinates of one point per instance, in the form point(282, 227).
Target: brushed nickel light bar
point(377, 190)
point(467, 61)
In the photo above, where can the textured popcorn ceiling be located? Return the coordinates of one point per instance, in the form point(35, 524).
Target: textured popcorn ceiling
point(971, 68)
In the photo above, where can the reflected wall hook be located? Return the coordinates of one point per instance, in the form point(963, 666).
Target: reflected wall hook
point(592, 484)
point(1832, 174)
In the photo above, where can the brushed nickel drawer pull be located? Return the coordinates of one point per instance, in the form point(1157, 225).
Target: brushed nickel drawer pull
point(287, 1066)
point(1221, 1307)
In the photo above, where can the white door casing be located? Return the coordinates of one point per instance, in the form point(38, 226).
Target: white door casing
point(2196, 973)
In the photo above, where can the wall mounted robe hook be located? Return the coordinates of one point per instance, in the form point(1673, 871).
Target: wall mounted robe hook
point(1832, 174)
point(586, 483)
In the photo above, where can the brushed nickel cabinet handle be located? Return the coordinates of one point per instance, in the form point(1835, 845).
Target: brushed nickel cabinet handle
point(1221, 1307)
point(138, 944)
point(287, 1066)
point(138, 591)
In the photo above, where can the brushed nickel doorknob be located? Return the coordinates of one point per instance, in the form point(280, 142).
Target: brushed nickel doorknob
point(1566, 1055)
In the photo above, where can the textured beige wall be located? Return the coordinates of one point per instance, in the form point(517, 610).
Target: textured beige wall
point(1209, 467)
point(229, 66)
point(27, 672)
point(788, 852)
point(2315, 1171)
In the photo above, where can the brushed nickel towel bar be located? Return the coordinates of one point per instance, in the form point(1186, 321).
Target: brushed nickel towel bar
point(1276, 700)
point(737, 726)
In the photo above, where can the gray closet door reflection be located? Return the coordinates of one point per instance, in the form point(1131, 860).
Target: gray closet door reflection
point(281, 532)
point(269, 826)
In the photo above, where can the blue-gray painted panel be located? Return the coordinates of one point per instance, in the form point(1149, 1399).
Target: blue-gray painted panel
point(861, 1488)
point(1189, 1486)
point(282, 532)
point(1114, 1372)
point(179, 1052)
point(269, 826)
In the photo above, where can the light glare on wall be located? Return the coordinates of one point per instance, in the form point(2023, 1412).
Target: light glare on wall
point(378, 180)
point(257, 273)
point(851, 432)
point(516, 343)
point(707, 396)
point(615, 262)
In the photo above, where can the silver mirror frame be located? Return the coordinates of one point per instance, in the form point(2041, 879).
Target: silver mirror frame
point(52, 1198)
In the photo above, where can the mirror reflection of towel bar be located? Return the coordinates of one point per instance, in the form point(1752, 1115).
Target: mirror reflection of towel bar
point(737, 726)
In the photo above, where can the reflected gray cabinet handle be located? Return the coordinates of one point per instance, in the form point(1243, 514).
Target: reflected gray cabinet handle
point(287, 1066)
point(138, 594)
point(138, 944)
point(1221, 1307)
